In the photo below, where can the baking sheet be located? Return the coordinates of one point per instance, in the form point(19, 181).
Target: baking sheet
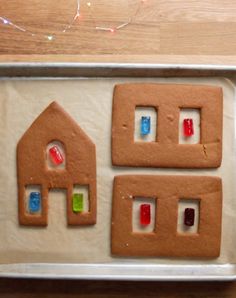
point(89, 102)
point(88, 249)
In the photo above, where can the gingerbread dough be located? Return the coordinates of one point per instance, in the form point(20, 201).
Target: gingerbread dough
point(55, 124)
point(166, 151)
point(165, 240)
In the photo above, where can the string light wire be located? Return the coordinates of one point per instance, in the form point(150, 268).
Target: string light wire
point(76, 16)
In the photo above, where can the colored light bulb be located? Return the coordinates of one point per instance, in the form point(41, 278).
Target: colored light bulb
point(56, 155)
point(145, 214)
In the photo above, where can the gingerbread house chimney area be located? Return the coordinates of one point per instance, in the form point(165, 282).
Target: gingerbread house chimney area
point(73, 165)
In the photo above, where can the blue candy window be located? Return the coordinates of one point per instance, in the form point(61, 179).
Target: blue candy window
point(145, 124)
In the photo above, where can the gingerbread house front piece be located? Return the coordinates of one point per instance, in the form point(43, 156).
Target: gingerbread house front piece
point(54, 126)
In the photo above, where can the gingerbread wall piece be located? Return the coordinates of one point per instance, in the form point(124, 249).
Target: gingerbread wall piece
point(166, 151)
point(54, 124)
point(165, 240)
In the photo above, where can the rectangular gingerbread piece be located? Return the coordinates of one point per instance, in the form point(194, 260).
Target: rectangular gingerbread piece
point(165, 240)
point(165, 151)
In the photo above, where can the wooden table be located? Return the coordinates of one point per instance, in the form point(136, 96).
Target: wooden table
point(194, 31)
point(173, 31)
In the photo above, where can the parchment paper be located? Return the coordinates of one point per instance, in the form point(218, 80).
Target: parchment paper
point(89, 101)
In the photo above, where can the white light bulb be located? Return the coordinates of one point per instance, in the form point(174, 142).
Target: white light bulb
point(50, 37)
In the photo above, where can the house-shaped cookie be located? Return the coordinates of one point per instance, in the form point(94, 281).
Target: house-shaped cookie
point(55, 125)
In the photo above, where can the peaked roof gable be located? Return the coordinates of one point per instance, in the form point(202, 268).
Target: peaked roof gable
point(54, 119)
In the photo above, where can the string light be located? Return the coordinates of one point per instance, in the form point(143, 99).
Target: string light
point(50, 37)
point(76, 16)
point(5, 21)
point(123, 24)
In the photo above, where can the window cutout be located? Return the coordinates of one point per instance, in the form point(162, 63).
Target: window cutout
point(193, 114)
point(50, 163)
point(142, 116)
point(137, 226)
point(78, 192)
point(188, 203)
point(33, 199)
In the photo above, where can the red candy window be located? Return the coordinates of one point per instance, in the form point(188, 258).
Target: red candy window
point(188, 127)
point(55, 155)
point(145, 214)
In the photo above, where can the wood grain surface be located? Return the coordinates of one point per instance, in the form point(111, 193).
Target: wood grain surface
point(190, 29)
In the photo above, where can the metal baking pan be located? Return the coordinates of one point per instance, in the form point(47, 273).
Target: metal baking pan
point(64, 69)
point(117, 270)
